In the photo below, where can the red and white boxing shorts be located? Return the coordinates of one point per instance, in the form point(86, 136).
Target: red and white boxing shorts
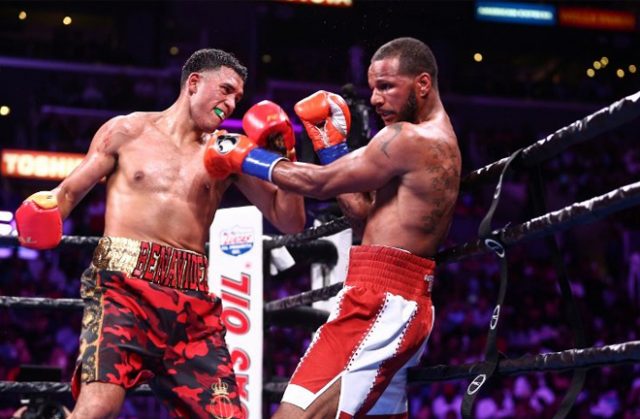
point(378, 329)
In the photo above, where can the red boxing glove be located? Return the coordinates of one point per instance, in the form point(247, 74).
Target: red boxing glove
point(39, 222)
point(227, 154)
point(268, 125)
point(327, 120)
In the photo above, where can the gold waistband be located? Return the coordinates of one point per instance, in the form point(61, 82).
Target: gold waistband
point(161, 264)
point(116, 254)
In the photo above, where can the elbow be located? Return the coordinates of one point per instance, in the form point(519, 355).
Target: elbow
point(360, 214)
point(323, 196)
point(294, 224)
point(318, 193)
point(291, 228)
point(288, 214)
point(297, 223)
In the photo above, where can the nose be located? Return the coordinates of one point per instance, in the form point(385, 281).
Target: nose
point(230, 101)
point(376, 98)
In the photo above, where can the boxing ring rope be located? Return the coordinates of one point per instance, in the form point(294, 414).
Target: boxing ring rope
point(12, 241)
point(309, 234)
point(587, 211)
point(40, 302)
point(323, 230)
point(620, 353)
point(52, 387)
point(306, 297)
point(575, 214)
point(603, 120)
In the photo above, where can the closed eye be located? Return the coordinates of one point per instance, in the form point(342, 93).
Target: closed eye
point(228, 89)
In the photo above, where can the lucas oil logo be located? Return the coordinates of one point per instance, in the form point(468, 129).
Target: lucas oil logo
point(236, 240)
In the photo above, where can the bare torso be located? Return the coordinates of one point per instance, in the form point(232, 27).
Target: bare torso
point(159, 190)
point(414, 210)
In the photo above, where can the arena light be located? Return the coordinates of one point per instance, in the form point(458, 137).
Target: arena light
point(22, 15)
point(5, 229)
point(66, 21)
point(523, 13)
point(333, 3)
point(620, 73)
point(593, 18)
point(591, 72)
point(632, 69)
point(477, 57)
point(27, 254)
point(597, 65)
point(6, 216)
point(604, 61)
point(5, 110)
point(174, 50)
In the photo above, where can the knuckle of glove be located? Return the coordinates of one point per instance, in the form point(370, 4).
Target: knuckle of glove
point(314, 108)
point(44, 199)
point(269, 126)
point(38, 227)
point(281, 138)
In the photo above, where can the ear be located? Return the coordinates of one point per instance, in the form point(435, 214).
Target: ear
point(423, 84)
point(192, 82)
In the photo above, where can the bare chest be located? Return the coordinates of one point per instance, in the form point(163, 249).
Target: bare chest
point(156, 166)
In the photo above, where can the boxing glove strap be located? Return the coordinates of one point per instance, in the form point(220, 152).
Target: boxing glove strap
point(260, 162)
point(332, 153)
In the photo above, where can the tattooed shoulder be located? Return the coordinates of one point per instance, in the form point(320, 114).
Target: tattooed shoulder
point(392, 132)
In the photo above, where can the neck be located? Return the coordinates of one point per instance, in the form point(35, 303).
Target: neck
point(176, 122)
point(431, 107)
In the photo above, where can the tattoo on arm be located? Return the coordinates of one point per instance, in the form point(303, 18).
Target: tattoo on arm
point(394, 132)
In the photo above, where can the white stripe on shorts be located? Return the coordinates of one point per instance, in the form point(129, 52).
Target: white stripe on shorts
point(381, 343)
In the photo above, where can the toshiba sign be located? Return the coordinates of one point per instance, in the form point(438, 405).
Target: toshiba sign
point(39, 164)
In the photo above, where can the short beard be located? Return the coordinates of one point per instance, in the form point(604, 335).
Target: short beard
point(410, 111)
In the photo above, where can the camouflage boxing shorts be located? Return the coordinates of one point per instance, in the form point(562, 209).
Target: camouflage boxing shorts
point(149, 317)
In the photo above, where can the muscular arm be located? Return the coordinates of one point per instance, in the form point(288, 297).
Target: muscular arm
point(285, 210)
point(98, 163)
point(366, 169)
point(355, 206)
